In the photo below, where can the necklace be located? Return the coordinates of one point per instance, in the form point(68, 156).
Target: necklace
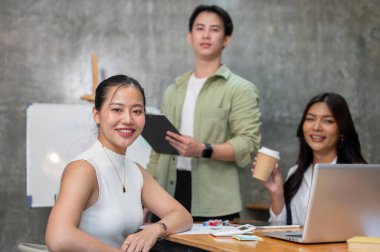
point(114, 166)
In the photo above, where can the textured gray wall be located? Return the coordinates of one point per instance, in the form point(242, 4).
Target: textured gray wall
point(291, 49)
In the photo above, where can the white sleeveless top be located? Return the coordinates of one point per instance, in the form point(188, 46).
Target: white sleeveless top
point(115, 214)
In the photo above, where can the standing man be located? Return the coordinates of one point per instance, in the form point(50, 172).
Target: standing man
point(217, 113)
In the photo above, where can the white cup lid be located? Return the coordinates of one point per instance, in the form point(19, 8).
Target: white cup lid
point(270, 152)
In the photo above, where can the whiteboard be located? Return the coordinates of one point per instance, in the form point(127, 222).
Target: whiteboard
point(56, 133)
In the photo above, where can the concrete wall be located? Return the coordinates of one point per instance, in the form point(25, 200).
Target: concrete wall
point(291, 49)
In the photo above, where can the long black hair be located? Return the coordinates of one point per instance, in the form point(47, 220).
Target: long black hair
point(348, 148)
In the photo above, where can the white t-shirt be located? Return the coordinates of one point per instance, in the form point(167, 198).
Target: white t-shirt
point(187, 121)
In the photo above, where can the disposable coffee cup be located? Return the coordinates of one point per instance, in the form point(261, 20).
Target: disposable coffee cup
point(265, 162)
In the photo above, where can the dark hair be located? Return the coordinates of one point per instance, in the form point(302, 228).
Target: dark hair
point(227, 21)
point(115, 81)
point(348, 148)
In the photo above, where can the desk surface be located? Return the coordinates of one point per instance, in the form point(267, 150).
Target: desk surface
point(210, 243)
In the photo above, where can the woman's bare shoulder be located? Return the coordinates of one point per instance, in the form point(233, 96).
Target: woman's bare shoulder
point(79, 168)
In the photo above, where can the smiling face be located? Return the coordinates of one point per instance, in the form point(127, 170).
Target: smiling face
point(321, 132)
point(121, 118)
point(207, 36)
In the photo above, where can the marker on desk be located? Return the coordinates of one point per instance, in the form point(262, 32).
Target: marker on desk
point(216, 222)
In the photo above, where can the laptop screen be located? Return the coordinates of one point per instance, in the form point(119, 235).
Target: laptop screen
point(344, 201)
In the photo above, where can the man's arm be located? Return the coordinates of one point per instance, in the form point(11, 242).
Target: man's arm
point(245, 124)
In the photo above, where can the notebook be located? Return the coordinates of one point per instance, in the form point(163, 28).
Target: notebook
point(344, 202)
point(154, 133)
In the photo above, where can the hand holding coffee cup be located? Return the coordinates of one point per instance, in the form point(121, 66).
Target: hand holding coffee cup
point(265, 162)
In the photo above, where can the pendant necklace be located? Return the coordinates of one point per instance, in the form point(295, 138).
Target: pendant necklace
point(114, 166)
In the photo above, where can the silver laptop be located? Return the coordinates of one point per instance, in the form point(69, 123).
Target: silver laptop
point(344, 202)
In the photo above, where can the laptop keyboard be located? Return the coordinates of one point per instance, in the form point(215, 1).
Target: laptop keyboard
point(295, 235)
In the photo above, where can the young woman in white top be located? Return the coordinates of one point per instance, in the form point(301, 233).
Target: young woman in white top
point(326, 135)
point(100, 203)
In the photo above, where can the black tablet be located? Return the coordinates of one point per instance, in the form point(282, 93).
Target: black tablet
point(154, 133)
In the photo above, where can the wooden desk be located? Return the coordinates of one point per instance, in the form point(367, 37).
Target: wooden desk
point(201, 242)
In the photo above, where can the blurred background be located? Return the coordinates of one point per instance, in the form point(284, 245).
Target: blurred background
point(291, 49)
